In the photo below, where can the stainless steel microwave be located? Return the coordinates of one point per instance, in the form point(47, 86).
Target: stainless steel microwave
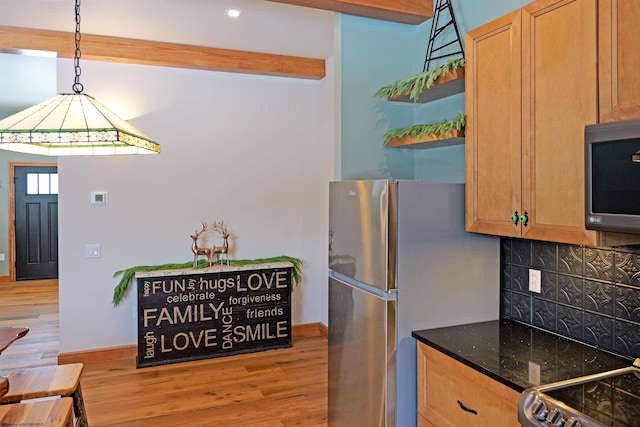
point(612, 176)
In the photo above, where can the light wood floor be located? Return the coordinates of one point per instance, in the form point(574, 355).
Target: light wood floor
point(285, 387)
point(33, 305)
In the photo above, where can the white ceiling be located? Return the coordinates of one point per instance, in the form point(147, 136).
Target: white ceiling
point(264, 26)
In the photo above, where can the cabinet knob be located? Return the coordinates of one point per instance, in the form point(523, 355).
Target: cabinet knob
point(524, 219)
point(514, 218)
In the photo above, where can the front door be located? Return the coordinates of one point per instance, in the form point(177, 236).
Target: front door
point(36, 226)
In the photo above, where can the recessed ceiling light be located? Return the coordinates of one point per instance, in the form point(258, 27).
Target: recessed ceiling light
point(233, 13)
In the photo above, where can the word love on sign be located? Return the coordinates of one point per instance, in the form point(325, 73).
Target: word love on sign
point(198, 316)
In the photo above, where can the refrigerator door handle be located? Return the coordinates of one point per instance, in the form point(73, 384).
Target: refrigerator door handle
point(391, 295)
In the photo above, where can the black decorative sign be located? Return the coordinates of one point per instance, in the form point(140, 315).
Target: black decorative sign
point(199, 316)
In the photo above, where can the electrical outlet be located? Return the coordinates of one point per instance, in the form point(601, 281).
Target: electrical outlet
point(534, 280)
point(534, 373)
point(1, 257)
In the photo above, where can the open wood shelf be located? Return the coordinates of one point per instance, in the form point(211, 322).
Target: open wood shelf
point(447, 84)
point(455, 137)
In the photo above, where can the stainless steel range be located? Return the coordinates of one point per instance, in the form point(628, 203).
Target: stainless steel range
point(608, 399)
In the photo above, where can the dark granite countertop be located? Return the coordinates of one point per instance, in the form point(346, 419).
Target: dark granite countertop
point(519, 355)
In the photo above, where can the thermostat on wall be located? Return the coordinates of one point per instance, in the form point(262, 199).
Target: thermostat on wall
point(98, 197)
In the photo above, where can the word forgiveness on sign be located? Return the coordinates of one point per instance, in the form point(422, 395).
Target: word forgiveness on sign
point(207, 315)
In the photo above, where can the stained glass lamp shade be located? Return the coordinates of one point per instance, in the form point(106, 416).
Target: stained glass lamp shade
point(72, 124)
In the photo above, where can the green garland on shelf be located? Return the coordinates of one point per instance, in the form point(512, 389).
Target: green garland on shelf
point(129, 273)
point(415, 85)
point(421, 131)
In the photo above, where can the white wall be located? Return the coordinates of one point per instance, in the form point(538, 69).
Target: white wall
point(254, 151)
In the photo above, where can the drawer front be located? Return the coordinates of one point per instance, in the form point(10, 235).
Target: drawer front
point(422, 422)
point(463, 401)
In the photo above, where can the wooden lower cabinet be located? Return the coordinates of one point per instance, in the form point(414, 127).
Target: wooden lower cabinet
point(453, 394)
point(422, 422)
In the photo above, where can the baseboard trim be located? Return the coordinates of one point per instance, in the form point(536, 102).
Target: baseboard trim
point(131, 351)
point(4, 279)
point(99, 355)
point(310, 330)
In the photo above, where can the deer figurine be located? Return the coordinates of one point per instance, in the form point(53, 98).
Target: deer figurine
point(224, 249)
point(197, 251)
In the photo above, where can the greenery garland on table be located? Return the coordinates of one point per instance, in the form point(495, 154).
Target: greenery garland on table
point(422, 131)
point(415, 85)
point(129, 273)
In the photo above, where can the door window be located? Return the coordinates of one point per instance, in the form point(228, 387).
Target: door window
point(42, 183)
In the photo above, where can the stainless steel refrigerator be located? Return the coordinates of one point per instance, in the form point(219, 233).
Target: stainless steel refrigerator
point(399, 260)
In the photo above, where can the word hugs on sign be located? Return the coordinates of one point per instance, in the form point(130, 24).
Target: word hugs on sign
point(198, 316)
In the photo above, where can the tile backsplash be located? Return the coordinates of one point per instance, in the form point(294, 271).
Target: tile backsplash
point(589, 294)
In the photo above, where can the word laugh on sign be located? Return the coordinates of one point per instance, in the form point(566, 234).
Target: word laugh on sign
point(198, 316)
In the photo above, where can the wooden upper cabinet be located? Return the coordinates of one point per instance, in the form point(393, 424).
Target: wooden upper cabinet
point(619, 60)
point(559, 97)
point(525, 149)
point(493, 126)
point(404, 11)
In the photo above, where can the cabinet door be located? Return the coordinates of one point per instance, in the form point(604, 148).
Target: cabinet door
point(493, 127)
point(559, 97)
point(619, 59)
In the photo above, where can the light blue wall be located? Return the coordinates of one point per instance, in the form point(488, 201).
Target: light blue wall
point(376, 53)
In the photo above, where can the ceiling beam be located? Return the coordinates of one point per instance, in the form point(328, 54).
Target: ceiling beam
point(133, 51)
point(403, 11)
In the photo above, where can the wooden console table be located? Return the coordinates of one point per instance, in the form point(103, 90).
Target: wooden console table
point(221, 310)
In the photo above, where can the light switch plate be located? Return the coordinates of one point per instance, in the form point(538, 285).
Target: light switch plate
point(92, 251)
point(534, 280)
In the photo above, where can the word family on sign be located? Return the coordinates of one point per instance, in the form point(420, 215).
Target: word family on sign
point(212, 314)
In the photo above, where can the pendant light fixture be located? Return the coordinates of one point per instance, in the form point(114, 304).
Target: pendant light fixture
point(72, 124)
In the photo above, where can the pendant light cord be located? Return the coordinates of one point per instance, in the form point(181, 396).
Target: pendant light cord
point(77, 86)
